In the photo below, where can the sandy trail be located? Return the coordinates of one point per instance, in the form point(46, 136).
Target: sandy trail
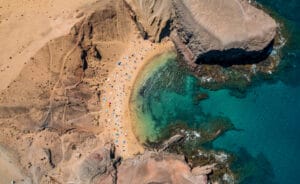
point(117, 90)
point(26, 26)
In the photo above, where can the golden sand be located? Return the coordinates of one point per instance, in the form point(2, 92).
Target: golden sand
point(115, 98)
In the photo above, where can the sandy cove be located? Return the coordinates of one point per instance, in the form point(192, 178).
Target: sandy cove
point(54, 19)
point(117, 90)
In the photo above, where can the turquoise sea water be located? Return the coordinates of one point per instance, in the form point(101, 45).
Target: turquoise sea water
point(267, 144)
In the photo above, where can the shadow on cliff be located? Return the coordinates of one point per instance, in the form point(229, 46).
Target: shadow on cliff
point(234, 56)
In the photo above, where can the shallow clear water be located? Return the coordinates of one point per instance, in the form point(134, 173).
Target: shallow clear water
point(268, 145)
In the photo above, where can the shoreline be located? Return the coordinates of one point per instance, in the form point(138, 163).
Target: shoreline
point(158, 61)
point(117, 91)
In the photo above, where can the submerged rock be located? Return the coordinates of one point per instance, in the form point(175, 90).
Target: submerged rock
point(174, 139)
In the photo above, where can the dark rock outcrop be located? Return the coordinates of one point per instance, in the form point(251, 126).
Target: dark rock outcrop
point(99, 167)
point(174, 139)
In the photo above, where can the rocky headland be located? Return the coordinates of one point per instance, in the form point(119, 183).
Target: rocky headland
point(213, 35)
point(64, 114)
point(213, 32)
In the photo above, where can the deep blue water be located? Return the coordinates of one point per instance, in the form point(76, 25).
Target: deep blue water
point(268, 116)
point(270, 119)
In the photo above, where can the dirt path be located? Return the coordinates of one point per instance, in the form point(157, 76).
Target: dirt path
point(26, 26)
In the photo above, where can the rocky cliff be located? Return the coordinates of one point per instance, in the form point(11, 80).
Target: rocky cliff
point(208, 31)
point(151, 167)
point(152, 16)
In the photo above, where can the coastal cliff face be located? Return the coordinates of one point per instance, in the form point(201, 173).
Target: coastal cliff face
point(152, 16)
point(208, 31)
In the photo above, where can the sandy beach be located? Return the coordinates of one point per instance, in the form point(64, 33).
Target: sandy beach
point(117, 90)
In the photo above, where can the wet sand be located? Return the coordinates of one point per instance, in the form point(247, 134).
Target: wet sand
point(144, 128)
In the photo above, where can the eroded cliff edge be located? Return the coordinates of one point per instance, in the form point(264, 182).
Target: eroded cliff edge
point(208, 31)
